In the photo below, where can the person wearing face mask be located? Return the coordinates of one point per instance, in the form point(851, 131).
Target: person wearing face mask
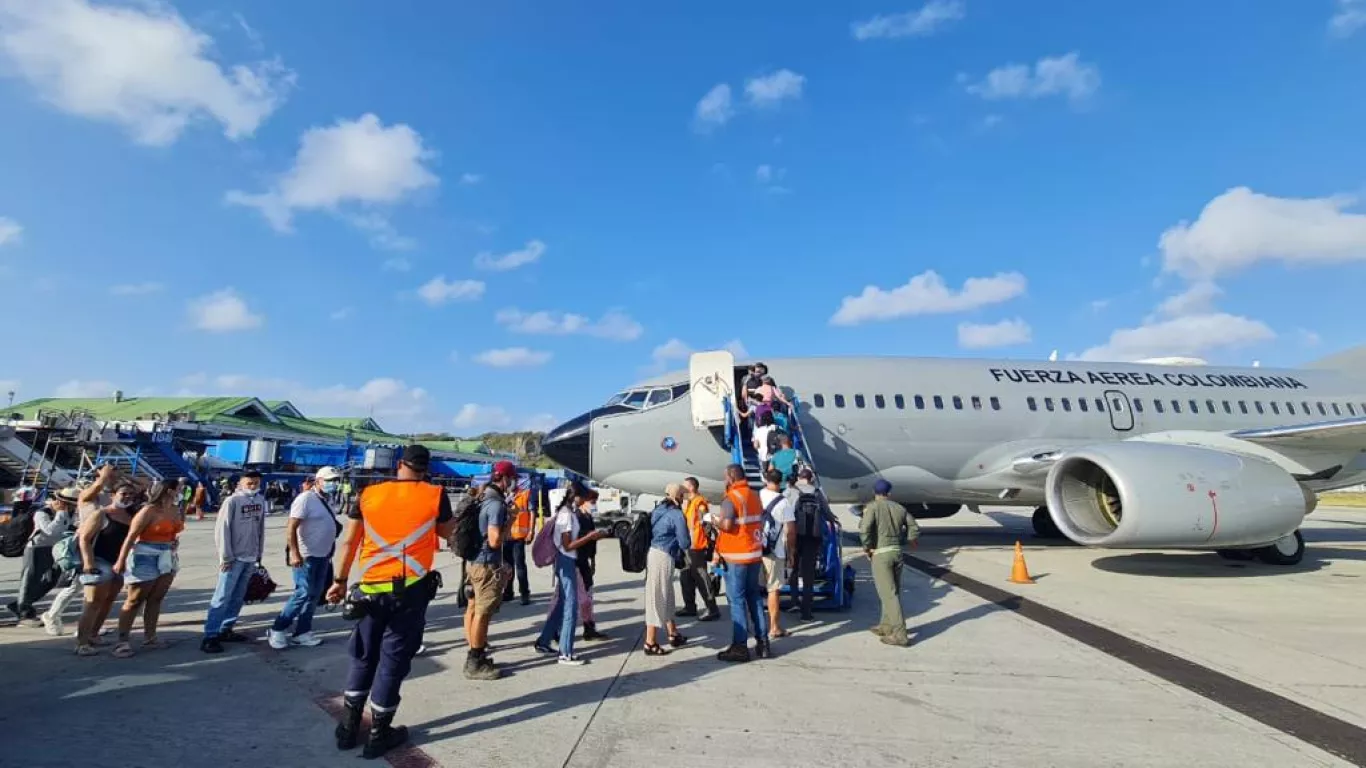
point(311, 537)
point(101, 535)
point(240, 536)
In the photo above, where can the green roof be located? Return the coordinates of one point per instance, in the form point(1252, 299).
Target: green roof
point(135, 408)
point(458, 446)
point(354, 422)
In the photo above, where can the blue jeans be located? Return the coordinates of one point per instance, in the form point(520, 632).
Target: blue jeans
point(742, 592)
point(514, 554)
point(227, 598)
point(566, 613)
point(310, 582)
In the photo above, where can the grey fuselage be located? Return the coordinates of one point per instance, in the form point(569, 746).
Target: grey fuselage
point(869, 418)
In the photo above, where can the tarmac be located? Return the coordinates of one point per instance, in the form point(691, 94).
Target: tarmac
point(1255, 664)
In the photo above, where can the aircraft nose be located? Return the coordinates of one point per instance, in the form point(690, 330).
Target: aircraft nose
point(568, 446)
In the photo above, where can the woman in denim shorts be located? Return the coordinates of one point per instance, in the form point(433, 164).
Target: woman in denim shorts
point(148, 563)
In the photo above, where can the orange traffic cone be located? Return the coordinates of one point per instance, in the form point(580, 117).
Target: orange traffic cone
point(1019, 572)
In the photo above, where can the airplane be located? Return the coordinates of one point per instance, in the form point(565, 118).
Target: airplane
point(1111, 455)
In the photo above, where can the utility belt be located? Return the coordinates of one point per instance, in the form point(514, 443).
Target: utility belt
point(372, 598)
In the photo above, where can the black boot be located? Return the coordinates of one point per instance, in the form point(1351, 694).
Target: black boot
point(590, 632)
point(348, 730)
point(383, 736)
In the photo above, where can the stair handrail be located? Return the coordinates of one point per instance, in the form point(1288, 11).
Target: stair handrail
point(798, 435)
point(733, 434)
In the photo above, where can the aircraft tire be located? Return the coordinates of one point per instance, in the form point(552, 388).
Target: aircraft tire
point(1238, 555)
point(1277, 554)
point(1044, 527)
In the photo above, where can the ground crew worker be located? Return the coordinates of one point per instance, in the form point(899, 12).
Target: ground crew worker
point(521, 528)
point(694, 575)
point(739, 546)
point(885, 529)
point(396, 526)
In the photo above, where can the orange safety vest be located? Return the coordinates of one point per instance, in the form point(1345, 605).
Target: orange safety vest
point(400, 540)
point(741, 545)
point(696, 508)
point(521, 518)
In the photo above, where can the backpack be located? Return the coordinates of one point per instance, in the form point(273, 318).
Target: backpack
point(16, 528)
point(771, 530)
point(635, 548)
point(775, 436)
point(259, 586)
point(66, 553)
point(467, 541)
point(543, 549)
point(810, 521)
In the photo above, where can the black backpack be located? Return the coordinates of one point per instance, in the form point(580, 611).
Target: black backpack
point(772, 532)
point(16, 528)
point(810, 522)
point(635, 548)
point(775, 435)
point(467, 541)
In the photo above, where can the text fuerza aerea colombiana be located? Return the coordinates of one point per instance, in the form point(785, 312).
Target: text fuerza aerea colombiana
point(1145, 379)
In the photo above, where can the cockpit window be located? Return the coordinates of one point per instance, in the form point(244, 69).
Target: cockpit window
point(648, 398)
point(617, 399)
point(637, 398)
point(658, 397)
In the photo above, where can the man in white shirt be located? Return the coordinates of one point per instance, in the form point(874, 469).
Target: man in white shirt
point(310, 539)
point(777, 506)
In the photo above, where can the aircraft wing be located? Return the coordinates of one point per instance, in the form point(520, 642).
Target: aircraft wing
point(1337, 435)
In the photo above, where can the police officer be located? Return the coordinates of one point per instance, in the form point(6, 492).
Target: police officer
point(396, 526)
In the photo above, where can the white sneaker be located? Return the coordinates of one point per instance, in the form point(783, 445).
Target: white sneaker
point(52, 625)
point(306, 639)
point(421, 649)
point(278, 640)
point(572, 661)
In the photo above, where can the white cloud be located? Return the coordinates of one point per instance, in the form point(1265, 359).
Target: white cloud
point(1348, 18)
point(470, 179)
point(396, 264)
point(772, 89)
point(1309, 338)
point(714, 109)
point(438, 290)
point(223, 311)
point(353, 161)
point(529, 254)
point(763, 174)
point(481, 418)
point(1240, 228)
point(1186, 336)
point(1003, 334)
point(512, 357)
point(917, 23)
point(676, 350)
point(10, 231)
point(1063, 75)
point(382, 233)
point(137, 289)
point(541, 422)
point(143, 68)
point(84, 389)
point(1197, 299)
point(613, 325)
point(342, 313)
point(927, 294)
point(396, 406)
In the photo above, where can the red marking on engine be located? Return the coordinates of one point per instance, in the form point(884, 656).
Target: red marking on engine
point(1190, 487)
point(1214, 504)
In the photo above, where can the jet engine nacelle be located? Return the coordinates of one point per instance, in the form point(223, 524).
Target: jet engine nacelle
point(1138, 495)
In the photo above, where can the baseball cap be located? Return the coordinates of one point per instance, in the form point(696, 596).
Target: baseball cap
point(504, 469)
point(882, 487)
point(417, 457)
point(327, 473)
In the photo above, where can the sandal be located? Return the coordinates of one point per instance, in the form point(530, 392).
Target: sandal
point(154, 644)
point(778, 634)
point(678, 640)
point(123, 650)
point(654, 649)
point(87, 650)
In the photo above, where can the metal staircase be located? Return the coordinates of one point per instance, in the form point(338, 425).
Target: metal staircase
point(23, 462)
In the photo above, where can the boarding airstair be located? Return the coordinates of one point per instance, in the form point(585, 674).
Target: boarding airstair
point(24, 463)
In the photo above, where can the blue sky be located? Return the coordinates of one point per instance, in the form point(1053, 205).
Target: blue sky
point(466, 218)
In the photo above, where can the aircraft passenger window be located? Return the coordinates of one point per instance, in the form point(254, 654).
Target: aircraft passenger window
point(1158, 405)
point(977, 403)
point(1351, 410)
point(859, 402)
point(1209, 404)
point(636, 399)
point(919, 403)
point(819, 400)
point(1336, 412)
point(879, 401)
point(1033, 406)
point(1082, 404)
point(1100, 405)
point(957, 403)
point(1176, 406)
point(1321, 411)
point(1258, 406)
point(839, 401)
point(900, 402)
point(1138, 404)
point(1275, 409)
point(1290, 408)
point(1304, 404)
point(658, 397)
point(1195, 407)
point(1048, 403)
point(938, 403)
point(1118, 405)
point(996, 404)
point(1067, 404)
point(1227, 408)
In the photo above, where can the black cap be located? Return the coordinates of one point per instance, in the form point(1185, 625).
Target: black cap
point(417, 457)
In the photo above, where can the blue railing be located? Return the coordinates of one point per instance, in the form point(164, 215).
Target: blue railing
point(798, 436)
point(733, 435)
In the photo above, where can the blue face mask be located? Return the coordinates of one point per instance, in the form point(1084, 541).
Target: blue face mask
point(330, 486)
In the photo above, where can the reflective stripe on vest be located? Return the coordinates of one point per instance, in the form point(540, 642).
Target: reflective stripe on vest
point(697, 507)
point(399, 530)
point(741, 545)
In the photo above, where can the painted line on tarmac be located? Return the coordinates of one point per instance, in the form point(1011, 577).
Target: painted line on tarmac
point(1331, 734)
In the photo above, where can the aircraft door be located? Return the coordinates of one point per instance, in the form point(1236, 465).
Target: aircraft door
point(711, 379)
point(1121, 410)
